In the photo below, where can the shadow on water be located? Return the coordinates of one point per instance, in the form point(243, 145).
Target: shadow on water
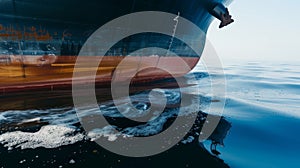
point(50, 108)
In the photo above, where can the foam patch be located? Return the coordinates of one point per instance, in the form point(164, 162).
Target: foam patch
point(50, 136)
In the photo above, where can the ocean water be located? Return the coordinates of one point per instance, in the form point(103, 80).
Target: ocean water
point(260, 123)
point(263, 105)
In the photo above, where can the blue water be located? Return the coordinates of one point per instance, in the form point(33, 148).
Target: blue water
point(262, 105)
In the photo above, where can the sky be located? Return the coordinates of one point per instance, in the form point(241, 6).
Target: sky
point(263, 31)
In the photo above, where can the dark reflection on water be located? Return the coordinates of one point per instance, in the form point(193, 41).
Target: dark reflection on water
point(63, 98)
point(27, 115)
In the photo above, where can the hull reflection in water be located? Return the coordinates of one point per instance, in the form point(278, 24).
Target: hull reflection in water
point(50, 133)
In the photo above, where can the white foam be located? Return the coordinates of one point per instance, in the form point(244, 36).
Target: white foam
point(72, 161)
point(50, 136)
point(61, 130)
point(107, 132)
point(151, 128)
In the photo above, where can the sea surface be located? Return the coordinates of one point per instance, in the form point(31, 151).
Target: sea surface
point(259, 126)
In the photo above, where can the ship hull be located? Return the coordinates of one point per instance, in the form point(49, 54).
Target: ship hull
point(59, 75)
point(40, 42)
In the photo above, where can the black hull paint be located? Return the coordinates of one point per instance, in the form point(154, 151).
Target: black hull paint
point(32, 25)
